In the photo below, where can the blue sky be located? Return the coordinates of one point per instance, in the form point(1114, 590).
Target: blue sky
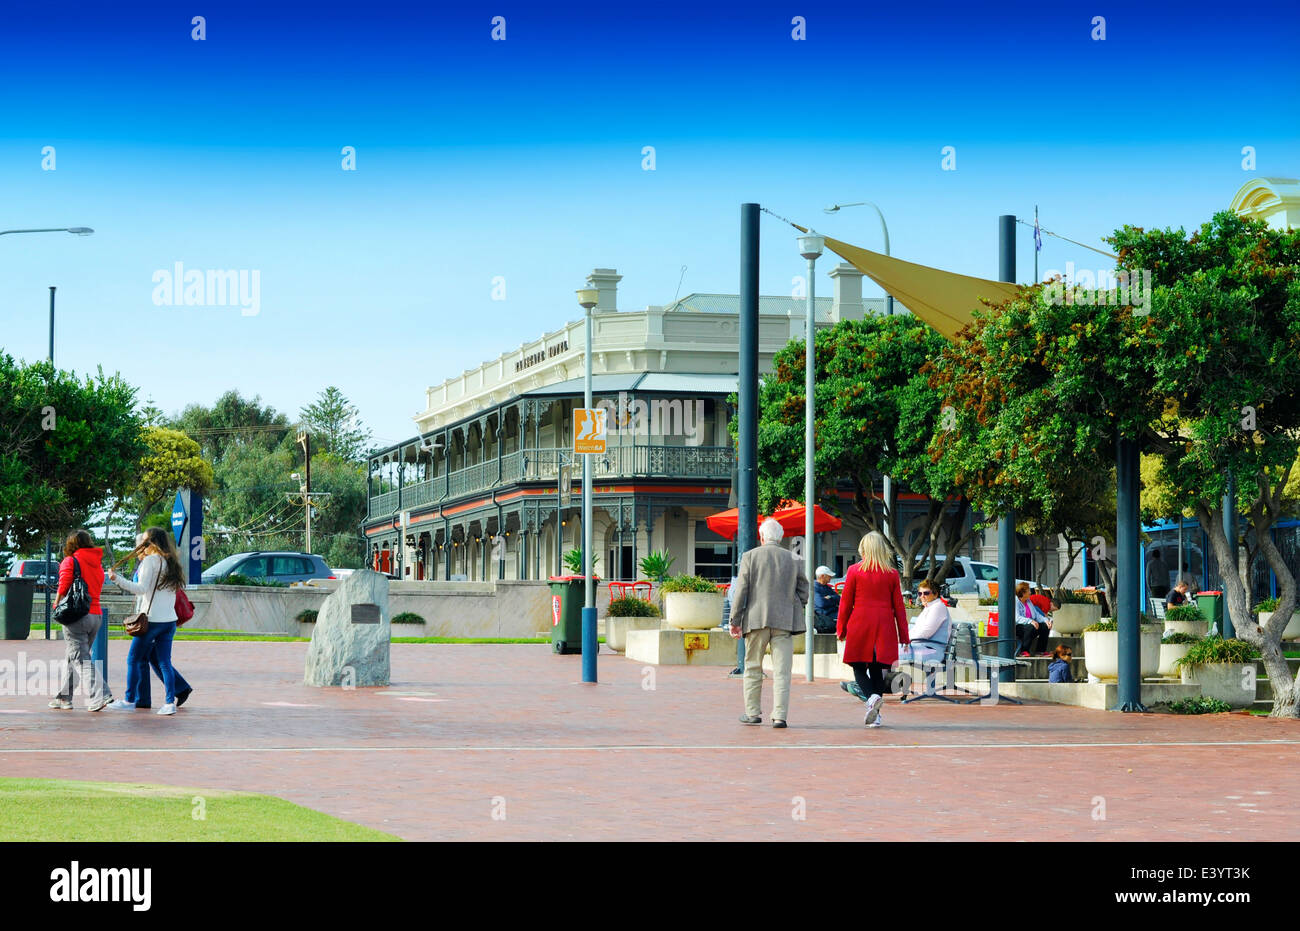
point(522, 159)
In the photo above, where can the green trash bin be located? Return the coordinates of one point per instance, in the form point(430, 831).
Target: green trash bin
point(1211, 605)
point(567, 595)
point(16, 607)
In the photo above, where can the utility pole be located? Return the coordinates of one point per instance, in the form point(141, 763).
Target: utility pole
point(305, 495)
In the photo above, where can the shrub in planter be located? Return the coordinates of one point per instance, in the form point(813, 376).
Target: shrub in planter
point(1101, 649)
point(990, 602)
point(573, 562)
point(1173, 645)
point(656, 565)
point(1187, 619)
point(1265, 610)
point(632, 607)
point(306, 616)
point(1224, 669)
point(1067, 596)
point(408, 617)
point(691, 603)
point(1075, 614)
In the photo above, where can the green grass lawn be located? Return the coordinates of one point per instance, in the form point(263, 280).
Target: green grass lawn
point(58, 810)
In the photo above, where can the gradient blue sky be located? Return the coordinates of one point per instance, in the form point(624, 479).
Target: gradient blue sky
point(522, 159)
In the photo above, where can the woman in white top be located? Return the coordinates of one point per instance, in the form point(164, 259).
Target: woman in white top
point(160, 576)
point(929, 629)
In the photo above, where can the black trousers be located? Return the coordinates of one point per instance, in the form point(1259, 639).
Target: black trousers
point(1031, 640)
point(870, 677)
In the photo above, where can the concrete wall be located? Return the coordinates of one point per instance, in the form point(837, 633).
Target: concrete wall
point(507, 608)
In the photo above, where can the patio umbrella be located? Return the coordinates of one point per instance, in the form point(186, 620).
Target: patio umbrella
point(791, 517)
point(727, 523)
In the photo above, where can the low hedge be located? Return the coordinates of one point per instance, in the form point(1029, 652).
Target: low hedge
point(632, 607)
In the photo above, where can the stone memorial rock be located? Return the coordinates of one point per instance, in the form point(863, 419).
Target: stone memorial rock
point(350, 644)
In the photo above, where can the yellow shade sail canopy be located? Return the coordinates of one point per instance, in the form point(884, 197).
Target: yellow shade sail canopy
point(942, 299)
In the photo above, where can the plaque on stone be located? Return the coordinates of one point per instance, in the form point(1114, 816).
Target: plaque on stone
point(365, 614)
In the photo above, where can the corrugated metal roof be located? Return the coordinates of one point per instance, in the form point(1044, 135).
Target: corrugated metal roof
point(600, 384)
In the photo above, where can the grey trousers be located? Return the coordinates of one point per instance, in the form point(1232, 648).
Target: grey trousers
point(756, 642)
point(79, 637)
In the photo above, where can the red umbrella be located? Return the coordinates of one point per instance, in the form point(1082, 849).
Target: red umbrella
point(727, 523)
point(791, 516)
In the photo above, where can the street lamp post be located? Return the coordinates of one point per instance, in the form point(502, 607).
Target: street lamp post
point(588, 297)
point(76, 231)
point(810, 247)
point(889, 311)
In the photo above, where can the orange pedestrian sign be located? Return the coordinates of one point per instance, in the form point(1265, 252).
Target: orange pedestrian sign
point(588, 430)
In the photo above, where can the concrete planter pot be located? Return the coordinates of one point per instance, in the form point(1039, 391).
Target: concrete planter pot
point(1101, 653)
point(1292, 631)
point(1171, 653)
point(616, 629)
point(692, 610)
point(1069, 620)
point(1228, 682)
point(1194, 628)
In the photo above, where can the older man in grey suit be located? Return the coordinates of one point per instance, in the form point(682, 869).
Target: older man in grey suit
point(767, 607)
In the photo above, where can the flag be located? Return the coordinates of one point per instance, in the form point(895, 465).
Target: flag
point(1038, 236)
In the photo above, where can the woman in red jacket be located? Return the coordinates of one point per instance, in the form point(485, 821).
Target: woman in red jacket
point(79, 635)
point(872, 621)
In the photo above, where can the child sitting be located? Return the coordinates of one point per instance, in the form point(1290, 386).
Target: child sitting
point(1059, 669)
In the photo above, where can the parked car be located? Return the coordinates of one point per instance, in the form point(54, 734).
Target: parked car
point(271, 567)
point(45, 574)
point(967, 576)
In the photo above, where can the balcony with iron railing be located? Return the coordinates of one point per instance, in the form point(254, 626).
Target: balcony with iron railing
point(712, 463)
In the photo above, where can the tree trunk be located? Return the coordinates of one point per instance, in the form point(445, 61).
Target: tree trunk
point(1286, 687)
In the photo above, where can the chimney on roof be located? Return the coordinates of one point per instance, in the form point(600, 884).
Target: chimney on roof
point(848, 293)
point(605, 281)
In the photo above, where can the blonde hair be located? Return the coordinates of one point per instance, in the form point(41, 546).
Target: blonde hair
point(875, 552)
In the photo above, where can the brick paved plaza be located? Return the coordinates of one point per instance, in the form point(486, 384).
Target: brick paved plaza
point(468, 731)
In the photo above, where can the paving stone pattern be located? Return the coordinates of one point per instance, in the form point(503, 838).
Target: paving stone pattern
point(504, 742)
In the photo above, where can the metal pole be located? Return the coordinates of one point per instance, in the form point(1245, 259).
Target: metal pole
point(589, 642)
point(1129, 569)
point(1007, 525)
point(747, 428)
point(1231, 531)
point(48, 554)
point(809, 461)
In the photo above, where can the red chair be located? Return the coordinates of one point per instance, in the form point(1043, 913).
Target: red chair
point(839, 588)
point(621, 588)
point(723, 587)
point(638, 587)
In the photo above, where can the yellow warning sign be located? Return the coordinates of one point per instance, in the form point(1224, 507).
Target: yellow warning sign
point(588, 430)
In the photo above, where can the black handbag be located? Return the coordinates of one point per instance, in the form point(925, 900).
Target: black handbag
point(76, 603)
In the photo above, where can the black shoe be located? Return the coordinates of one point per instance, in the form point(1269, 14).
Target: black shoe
point(852, 689)
point(181, 697)
point(736, 673)
point(746, 719)
point(778, 724)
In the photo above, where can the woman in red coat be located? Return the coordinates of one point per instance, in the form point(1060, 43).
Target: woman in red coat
point(872, 622)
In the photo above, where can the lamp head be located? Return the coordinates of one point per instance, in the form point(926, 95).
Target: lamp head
point(80, 230)
point(588, 297)
point(833, 208)
point(811, 246)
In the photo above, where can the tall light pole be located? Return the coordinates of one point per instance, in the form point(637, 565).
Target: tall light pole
point(810, 247)
point(76, 231)
point(588, 297)
point(889, 311)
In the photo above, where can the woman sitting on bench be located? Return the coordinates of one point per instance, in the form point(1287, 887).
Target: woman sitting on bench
point(930, 629)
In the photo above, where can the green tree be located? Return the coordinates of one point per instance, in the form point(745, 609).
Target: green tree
point(64, 443)
point(1222, 347)
point(875, 413)
point(231, 422)
point(335, 426)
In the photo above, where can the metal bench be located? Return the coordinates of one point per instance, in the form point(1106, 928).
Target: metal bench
point(1158, 608)
point(962, 649)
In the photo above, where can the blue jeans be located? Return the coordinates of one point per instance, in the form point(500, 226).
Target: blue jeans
point(154, 649)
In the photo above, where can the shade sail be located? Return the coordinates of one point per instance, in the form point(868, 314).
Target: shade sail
point(942, 299)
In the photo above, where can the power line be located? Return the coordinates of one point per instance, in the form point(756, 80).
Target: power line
point(1083, 245)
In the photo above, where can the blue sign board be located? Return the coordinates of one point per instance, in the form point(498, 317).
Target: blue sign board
point(178, 517)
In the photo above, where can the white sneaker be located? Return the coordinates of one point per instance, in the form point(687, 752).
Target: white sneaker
point(60, 704)
point(879, 722)
point(169, 708)
point(121, 705)
point(873, 711)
